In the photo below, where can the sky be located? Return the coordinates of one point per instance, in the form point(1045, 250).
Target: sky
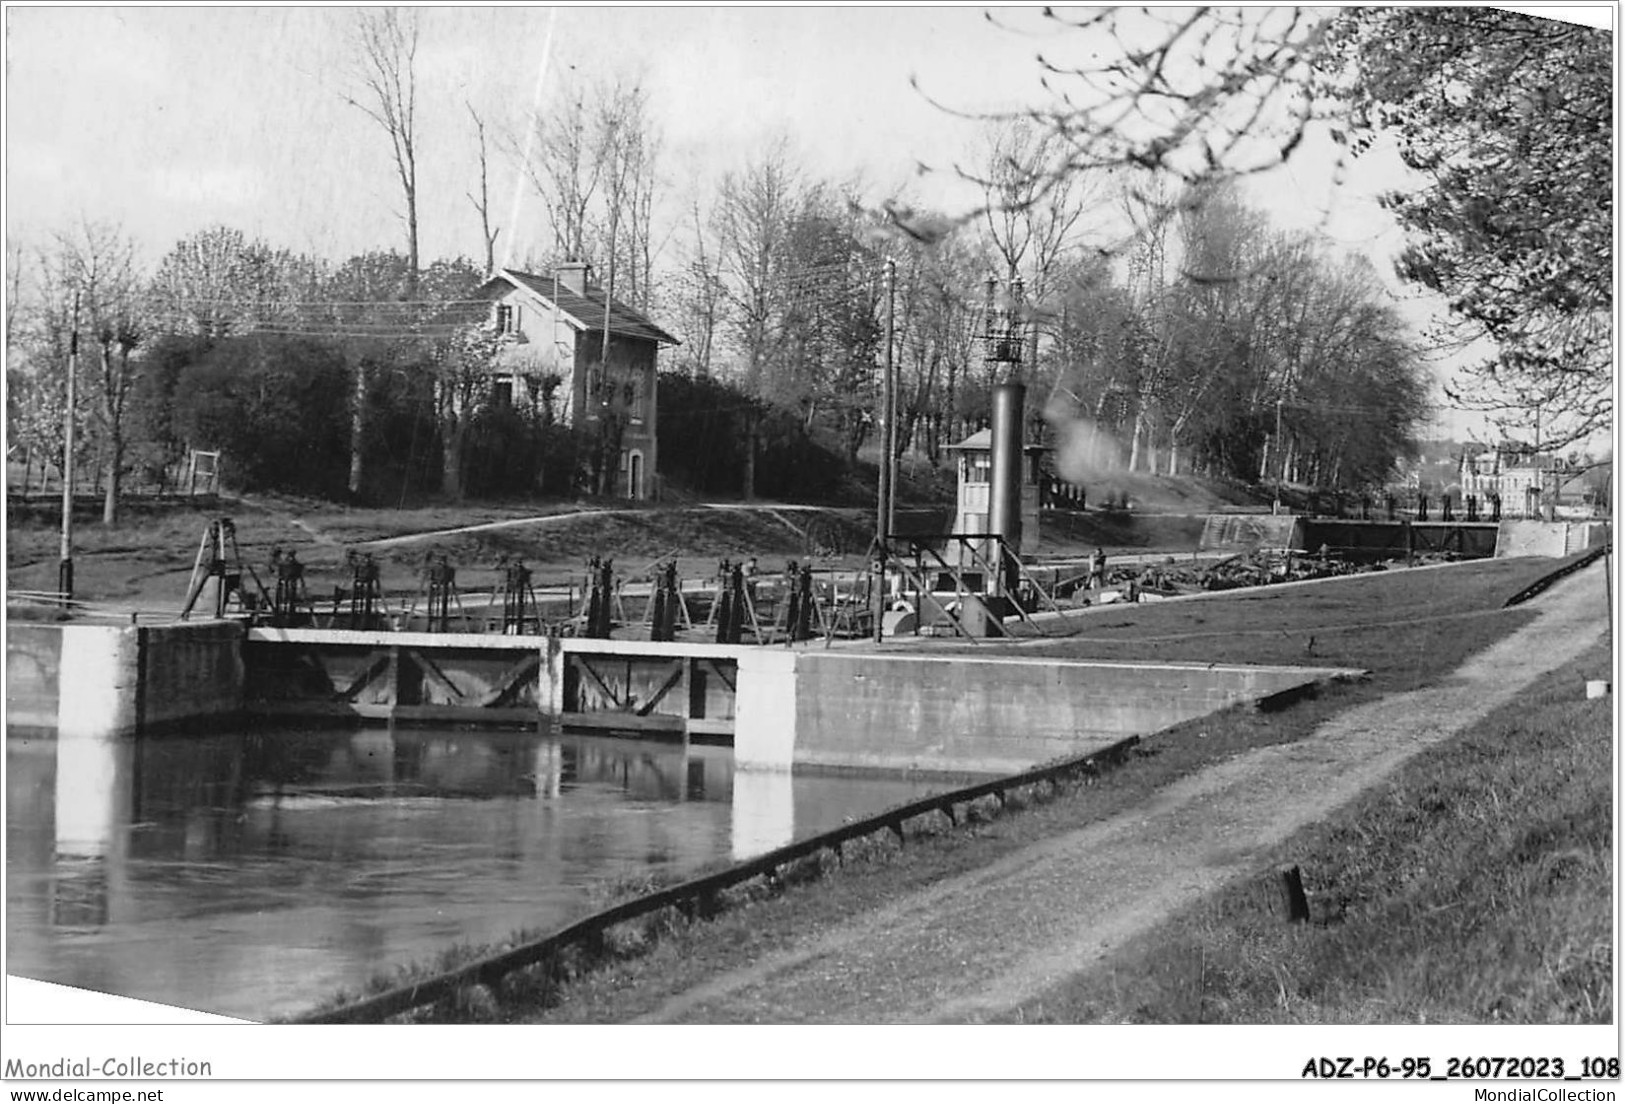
point(166, 121)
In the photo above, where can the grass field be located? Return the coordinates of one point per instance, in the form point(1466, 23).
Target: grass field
point(144, 562)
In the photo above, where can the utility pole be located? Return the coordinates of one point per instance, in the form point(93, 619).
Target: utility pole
point(883, 416)
point(884, 508)
point(891, 399)
point(1280, 463)
point(64, 576)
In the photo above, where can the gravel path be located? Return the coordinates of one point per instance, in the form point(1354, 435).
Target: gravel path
point(973, 946)
point(575, 515)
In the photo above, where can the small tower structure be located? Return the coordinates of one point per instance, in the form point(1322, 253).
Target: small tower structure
point(974, 500)
point(998, 473)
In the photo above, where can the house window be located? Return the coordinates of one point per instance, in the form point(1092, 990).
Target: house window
point(635, 391)
point(502, 393)
point(509, 318)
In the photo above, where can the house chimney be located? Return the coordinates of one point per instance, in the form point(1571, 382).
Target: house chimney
point(574, 276)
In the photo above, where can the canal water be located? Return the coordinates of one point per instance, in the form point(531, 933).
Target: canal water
point(254, 874)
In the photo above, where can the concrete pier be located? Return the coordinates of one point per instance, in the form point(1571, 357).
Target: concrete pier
point(102, 681)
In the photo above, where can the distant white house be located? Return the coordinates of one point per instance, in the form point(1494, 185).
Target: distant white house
point(1522, 478)
point(555, 327)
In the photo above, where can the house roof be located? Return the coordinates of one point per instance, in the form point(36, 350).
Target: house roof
point(982, 441)
point(585, 312)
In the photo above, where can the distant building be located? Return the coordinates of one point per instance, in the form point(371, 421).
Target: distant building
point(555, 327)
point(1521, 478)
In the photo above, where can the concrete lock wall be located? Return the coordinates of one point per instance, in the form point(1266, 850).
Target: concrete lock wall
point(1585, 535)
point(1541, 538)
point(108, 680)
point(967, 714)
point(190, 671)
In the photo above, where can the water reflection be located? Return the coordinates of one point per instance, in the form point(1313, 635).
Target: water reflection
point(252, 874)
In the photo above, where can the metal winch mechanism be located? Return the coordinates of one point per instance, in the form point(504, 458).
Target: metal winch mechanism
point(733, 605)
point(361, 605)
point(666, 603)
point(218, 575)
point(437, 596)
point(520, 612)
point(602, 597)
point(290, 599)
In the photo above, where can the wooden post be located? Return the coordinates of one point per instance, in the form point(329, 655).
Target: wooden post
point(1297, 903)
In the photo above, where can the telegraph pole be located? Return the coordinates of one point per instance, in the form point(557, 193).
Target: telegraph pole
point(884, 509)
point(1280, 461)
point(64, 577)
point(891, 400)
point(883, 415)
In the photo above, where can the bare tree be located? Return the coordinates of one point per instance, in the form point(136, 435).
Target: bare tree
point(482, 204)
point(386, 52)
point(386, 43)
point(699, 299)
point(1032, 222)
point(1202, 94)
point(754, 211)
point(591, 160)
point(564, 171)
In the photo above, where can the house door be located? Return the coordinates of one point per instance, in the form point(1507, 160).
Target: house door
point(634, 474)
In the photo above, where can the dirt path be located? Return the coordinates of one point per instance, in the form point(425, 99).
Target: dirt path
point(486, 526)
point(569, 516)
point(978, 944)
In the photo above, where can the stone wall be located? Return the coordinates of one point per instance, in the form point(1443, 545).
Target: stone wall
point(971, 714)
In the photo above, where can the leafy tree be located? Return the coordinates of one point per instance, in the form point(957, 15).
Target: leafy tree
point(161, 443)
point(832, 324)
point(1509, 119)
point(701, 424)
point(217, 283)
point(275, 406)
point(95, 263)
point(463, 367)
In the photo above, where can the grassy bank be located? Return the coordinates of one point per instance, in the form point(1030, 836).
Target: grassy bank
point(639, 972)
point(1476, 887)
